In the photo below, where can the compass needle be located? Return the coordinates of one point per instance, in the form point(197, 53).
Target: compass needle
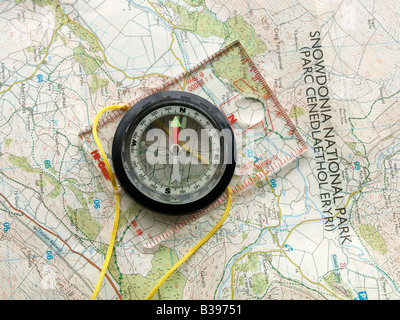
point(176, 176)
point(182, 144)
point(175, 125)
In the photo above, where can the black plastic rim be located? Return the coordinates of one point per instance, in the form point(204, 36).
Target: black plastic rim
point(134, 116)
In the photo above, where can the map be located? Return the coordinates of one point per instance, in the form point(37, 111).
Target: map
point(324, 226)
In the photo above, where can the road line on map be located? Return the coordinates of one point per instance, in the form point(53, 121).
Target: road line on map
point(321, 219)
point(57, 236)
point(172, 41)
point(314, 220)
point(281, 246)
point(68, 19)
point(40, 63)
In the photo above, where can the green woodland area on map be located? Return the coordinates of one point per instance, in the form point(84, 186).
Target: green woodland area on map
point(258, 282)
point(205, 25)
point(135, 286)
point(234, 29)
point(90, 65)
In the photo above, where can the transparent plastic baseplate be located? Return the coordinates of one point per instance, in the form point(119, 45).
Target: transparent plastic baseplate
point(266, 138)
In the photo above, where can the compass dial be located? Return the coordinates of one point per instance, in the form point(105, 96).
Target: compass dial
point(174, 152)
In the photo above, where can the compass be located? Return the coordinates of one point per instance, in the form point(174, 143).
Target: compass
point(174, 152)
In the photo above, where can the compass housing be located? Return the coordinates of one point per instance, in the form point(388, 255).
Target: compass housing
point(160, 186)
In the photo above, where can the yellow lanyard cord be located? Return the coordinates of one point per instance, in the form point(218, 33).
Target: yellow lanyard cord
point(197, 246)
point(117, 212)
point(116, 196)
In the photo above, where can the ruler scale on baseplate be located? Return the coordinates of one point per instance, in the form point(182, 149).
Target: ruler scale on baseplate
point(266, 137)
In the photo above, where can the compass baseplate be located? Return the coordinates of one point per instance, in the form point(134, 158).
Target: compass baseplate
point(266, 138)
